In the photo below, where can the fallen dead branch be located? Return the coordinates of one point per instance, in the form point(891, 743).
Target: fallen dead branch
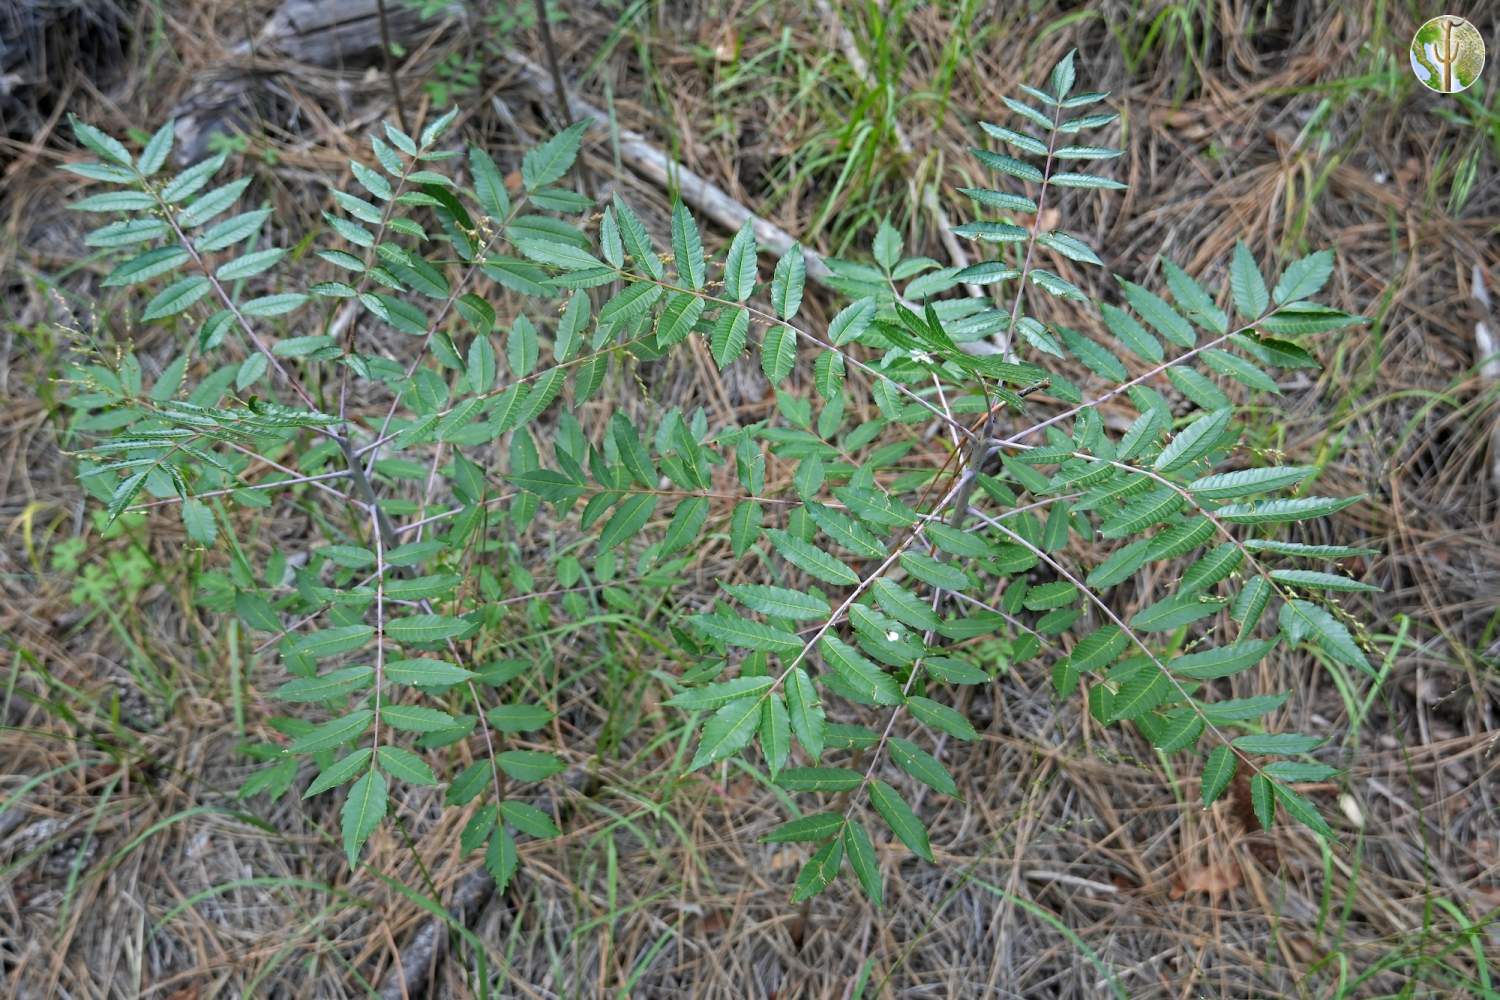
point(637, 152)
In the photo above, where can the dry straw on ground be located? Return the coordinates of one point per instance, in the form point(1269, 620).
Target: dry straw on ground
point(1075, 860)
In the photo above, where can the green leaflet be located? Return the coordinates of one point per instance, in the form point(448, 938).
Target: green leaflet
point(1315, 580)
point(1304, 277)
point(687, 524)
point(846, 532)
point(1296, 770)
point(876, 508)
point(1284, 511)
point(1248, 482)
point(633, 454)
point(404, 765)
point(425, 628)
point(1235, 711)
point(714, 696)
point(739, 266)
point(1250, 603)
point(340, 771)
point(144, 267)
point(627, 520)
point(728, 731)
point(331, 641)
point(820, 871)
point(1240, 370)
point(99, 142)
point(335, 684)
point(851, 322)
point(522, 349)
point(805, 712)
point(955, 542)
point(500, 858)
point(779, 602)
point(425, 673)
point(1178, 731)
point(176, 297)
point(728, 340)
point(1303, 619)
point(1070, 247)
point(677, 320)
point(922, 765)
point(1182, 537)
point(198, 520)
point(415, 718)
point(1218, 769)
point(1055, 285)
point(1174, 612)
point(787, 282)
point(903, 605)
point(778, 353)
point(529, 820)
point(820, 779)
point(1142, 512)
point(828, 374)
point(900, 818)
point(1054, 594)
point(1120, 565)
point(1222, 661)
point(1092, 181)
point(744, 526)
point(818, 826)
point(887, 246)
point(1279, 547)
point(1301, 810)
point(811, 560)
point(735, 631)
point(1019, 169)
point(1196, 302)
point(1277, 743)
point(775, 733)
point(518, 718)
point(529, 765)
point(1024, 143)
point(1246, 284)
point(938, 574)
point(858, 672)
point(363, 810)
point(941, 717)
point(687, 246)
point(1217, 565)
point(1099, 648)
point(1162, 317)
point(1262, 800)
point(1096, 358)
point(1134, 336)
point(548, 162)
point(861, 855)
point(1194, 441)
point(1141, 692)
point(333, 733)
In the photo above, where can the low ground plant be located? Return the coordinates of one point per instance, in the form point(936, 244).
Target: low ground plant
point(460, 495)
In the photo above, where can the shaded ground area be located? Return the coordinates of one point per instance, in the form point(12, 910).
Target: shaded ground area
point(1078, 862)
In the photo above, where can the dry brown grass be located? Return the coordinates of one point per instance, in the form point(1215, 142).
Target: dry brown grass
point(118, 803)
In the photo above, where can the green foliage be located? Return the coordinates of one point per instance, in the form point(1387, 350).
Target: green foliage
point(874, 571)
